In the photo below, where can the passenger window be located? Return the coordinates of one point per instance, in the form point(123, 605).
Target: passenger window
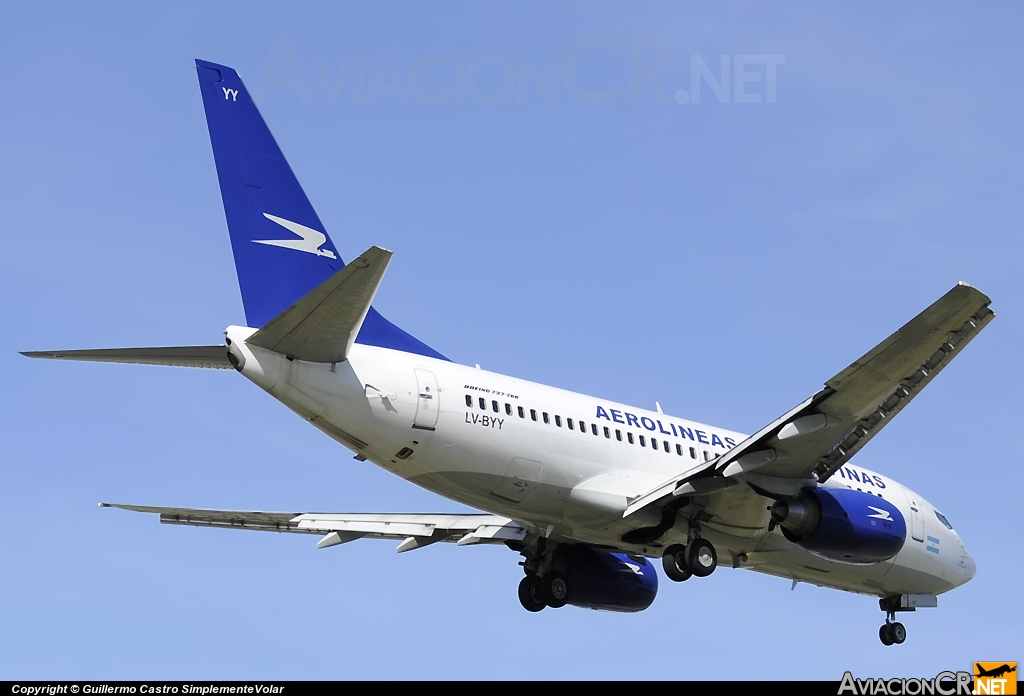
point(558, 421)
point(593, 428)
point(693, 453)
point(494, 405)
point(679, 450)
point(618, 435)
point(508, 409)
point(483, 403)
point(706, 455)
point(654, 443)
point(546, 419)
point(583, 427)
point(469, 400)
point(533, 414)
point(643, 441)
point(667, 447)
point(522, 413)
point(629, 436)
point(607, 432)
point(568, 423)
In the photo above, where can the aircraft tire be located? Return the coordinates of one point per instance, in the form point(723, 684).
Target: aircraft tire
point(885, 635)
point(701, 558)
point(898, 632)
point(674, 563)
point(555, 590)
point(530, 594)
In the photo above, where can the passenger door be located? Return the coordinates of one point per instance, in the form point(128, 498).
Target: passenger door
point(427, 405)
point(916, 519)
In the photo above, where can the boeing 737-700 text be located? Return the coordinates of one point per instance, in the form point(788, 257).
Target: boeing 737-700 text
point(586, 490)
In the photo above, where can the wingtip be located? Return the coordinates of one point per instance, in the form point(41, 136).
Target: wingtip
point(105, 505)
point(968, 286)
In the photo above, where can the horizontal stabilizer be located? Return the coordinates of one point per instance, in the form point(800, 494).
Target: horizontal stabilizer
point(323, 324)
point(178, 356)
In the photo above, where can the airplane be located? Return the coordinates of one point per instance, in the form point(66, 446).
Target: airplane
point(591, 493)
point(996, 672)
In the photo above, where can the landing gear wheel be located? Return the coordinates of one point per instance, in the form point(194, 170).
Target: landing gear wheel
point(674, 563)
point(530, 594)
point(885, 635)
point(701, 558)
point(898, 632)
point(555, 589)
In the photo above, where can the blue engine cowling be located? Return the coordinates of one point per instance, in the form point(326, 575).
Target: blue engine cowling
point(842, 525)
point(610, 581)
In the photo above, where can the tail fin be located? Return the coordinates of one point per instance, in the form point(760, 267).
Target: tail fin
point(280, 246)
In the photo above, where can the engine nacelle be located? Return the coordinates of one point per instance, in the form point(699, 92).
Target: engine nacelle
point(610, 581)
point(842, 525)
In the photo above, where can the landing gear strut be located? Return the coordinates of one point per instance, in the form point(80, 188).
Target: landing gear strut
point(697, 558)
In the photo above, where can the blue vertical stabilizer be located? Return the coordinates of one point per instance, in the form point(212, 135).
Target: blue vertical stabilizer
point(281, 248)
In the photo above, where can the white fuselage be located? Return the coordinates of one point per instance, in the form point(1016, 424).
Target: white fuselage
point(516, 448)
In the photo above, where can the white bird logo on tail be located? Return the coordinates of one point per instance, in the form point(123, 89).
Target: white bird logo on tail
point(310, 242)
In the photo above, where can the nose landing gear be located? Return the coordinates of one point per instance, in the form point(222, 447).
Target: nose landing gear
point(892, 632)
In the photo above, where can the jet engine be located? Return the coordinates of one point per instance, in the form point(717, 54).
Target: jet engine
point(842, 525)
point(610, 581)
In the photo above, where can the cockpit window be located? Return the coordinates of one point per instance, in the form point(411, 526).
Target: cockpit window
point(943, 520)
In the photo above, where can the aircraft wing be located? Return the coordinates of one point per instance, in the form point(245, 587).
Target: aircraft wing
point(415, 530)
point(811, 441)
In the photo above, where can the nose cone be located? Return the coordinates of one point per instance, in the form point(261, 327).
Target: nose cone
point(967, 565)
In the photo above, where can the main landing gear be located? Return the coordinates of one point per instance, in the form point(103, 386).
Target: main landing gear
point(537, 592)
point(547, 577)
point(697, 558)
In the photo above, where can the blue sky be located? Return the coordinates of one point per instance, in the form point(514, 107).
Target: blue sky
point(562, 209)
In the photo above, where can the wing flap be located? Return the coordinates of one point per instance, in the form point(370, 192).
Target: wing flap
point(481, 528)
point(177, 356)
